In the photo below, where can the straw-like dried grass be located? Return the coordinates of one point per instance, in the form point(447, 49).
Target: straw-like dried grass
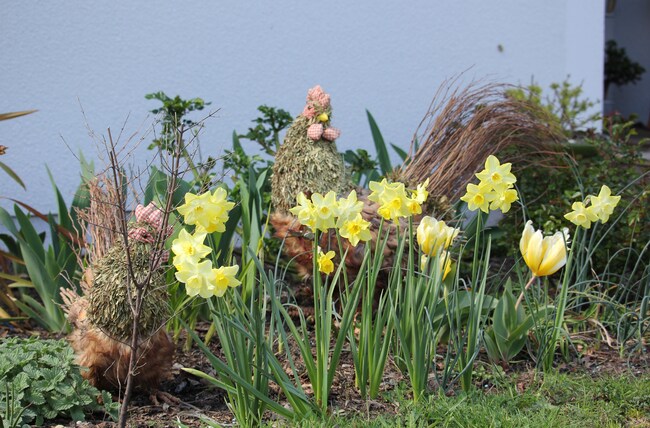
point(463, 126)
point(102, 218)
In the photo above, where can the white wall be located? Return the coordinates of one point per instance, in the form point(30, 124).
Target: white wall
point(629, 25)
point(388, 57)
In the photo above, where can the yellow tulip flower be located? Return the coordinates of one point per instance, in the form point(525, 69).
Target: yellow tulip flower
point(433, 236)
point(543, 255)
point(444, 264)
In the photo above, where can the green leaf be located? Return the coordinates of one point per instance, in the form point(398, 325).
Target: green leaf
point(400, 152)
point(380, 146)
point(62, 209)
point(12, 174)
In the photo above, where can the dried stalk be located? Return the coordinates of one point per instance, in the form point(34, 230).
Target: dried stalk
point(142, 286)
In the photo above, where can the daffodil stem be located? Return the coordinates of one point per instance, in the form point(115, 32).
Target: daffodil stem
point(521, 296)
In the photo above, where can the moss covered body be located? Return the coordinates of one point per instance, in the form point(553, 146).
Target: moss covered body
point(109, 308)
point(306, 165)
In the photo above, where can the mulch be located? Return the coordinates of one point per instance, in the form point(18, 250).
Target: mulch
point(200, 400)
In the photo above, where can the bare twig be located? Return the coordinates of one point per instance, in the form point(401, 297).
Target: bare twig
point(141, 286)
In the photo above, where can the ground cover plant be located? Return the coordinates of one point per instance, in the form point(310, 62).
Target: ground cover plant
point(387, 298)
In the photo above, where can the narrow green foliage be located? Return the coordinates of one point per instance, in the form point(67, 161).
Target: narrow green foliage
point(250, 362)
point(380, 146)
point(375, 327)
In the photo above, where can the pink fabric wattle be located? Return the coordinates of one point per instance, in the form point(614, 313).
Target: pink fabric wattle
point(153, 216)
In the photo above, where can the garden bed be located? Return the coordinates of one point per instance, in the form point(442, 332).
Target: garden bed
point(598, 368)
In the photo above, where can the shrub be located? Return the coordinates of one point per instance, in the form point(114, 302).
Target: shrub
point(563, 110)
point(40, 378)
point(551, 191)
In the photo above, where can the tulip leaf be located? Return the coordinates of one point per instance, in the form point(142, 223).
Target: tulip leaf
point(380, 146)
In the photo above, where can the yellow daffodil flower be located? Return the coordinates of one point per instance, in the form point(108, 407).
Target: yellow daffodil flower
point(581, 215)
point(356, 230)
point(504, 200)
point(496, 174)
point(392, 198)
point(381, 191)
point(189, 248)
point(304, 211)
point(433, 236)
point(325, 264)
point(208, 211)
point(348, 208)
point(224, 277)
point(196, 277)
point(413, 206)
point(543, 255)
point(325, 210)
point(421, 194)
point(603, 205)
point(396, 207)
point(479, 197)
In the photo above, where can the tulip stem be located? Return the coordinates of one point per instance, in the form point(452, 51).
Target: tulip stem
point(521, 296)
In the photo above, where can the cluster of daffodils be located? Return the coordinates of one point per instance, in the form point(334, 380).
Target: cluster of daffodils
point(434, 238)
point(325, 212)
point(321, 213)
point(495, 189)
point(602, 206)
point(395, 201)
point(208, 212)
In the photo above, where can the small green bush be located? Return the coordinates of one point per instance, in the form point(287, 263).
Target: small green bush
point(612, 159)
point(564, 109)
point(39, 377)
